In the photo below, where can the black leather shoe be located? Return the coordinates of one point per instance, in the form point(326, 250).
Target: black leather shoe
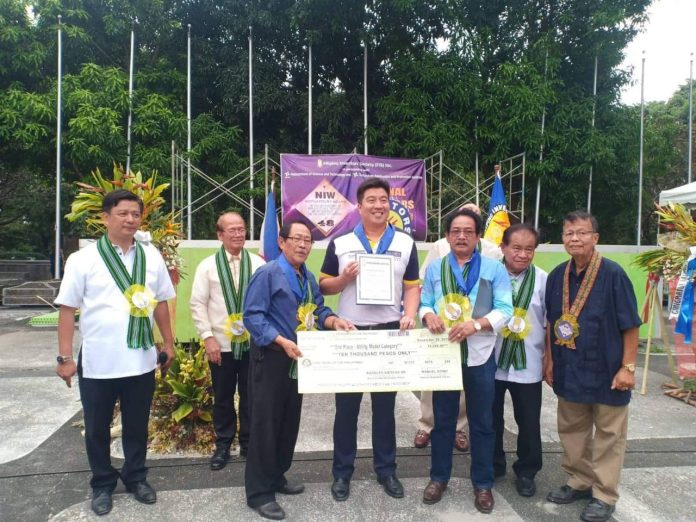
point(340, 489)
point(291, 489)
point(597, 511)
point(143, 492)
point(392, 486)
point(101, 501)
point(271, 511)
point(243, 451)
point(525, 486)
point(220, 458)
point(566, 495)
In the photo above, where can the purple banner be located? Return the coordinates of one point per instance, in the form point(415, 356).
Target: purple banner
point(321, 191)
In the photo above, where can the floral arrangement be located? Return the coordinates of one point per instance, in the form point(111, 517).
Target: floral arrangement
point(181, 418)
point(164, 232)
point(680, 233)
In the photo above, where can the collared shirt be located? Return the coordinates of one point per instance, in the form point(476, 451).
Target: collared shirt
point(270, 306)
point(585, 374)
point(208, 308)
point(535, 342)
point(344, 250)
point(441, 248)
point(104, 313)
point(491, 298)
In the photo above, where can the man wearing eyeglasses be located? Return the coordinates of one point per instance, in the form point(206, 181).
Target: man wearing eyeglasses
point(373, 235)
point(590, 362)
point(282, 297)
point(471, 295)
point(216, 301)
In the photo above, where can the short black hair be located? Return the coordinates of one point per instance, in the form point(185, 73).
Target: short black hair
point(581, 215)
point(372, 183)
point(287, 226)
point(114, 197)
point(519, 227)
point(466, 213)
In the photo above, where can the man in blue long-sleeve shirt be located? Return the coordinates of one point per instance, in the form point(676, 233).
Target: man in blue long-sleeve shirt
point(281, 295)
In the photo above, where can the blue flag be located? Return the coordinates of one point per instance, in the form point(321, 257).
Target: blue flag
point(498, 219)
point(269, 230)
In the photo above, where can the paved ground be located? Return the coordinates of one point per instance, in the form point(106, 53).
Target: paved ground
point(44, 473)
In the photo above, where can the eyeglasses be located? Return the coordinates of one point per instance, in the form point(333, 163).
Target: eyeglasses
point(297, 240)
point(456, 232)
point(581, 234)
point(236, 231)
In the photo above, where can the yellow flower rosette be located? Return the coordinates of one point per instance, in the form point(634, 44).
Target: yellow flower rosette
point(306, 317)
point(454, 308)
point(518, 327)
point(234, 328)
point(141, 300)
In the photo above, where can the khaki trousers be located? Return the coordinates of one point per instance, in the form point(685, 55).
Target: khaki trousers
point(427, 418)
point(593, 460)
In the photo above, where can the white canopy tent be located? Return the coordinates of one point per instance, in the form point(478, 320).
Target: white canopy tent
point(686, 195)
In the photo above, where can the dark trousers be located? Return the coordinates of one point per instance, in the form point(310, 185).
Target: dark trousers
point(345, 430)
point(98, 400)
point(275, 408)
point(526, 402)
point(479, 386)
point(227, 378)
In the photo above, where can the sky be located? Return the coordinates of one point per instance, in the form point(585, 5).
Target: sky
point(668, 40)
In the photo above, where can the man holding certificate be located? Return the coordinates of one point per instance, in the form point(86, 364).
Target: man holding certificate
point(375, 269)
point(470, 295)
point(282, 298)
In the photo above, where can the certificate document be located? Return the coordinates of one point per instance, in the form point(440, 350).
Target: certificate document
point(377, 360)
point(375, 283)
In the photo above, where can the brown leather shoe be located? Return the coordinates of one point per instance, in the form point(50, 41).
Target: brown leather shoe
point(433, 492)
point(422, 439)
point(483, 500)
point(461, 441)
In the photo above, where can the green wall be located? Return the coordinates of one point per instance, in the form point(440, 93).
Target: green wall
point(545, 260)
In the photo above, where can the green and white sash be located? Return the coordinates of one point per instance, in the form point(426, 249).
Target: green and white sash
point(140, 299)
point(512, 351)
point(453, 296)
point(234, 297)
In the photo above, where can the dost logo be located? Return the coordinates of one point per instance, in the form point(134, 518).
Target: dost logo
point(400, 217)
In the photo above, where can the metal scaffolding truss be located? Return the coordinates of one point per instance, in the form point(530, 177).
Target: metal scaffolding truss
point(179, 196)
point(448, 189)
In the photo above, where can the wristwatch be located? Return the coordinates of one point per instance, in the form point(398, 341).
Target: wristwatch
point(477, 326)
point(62, 359)
point(631, 367)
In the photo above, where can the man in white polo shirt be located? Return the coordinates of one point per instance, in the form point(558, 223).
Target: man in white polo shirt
point(519, 352)
point(373, 235)
point(217, 295)
point(119, 285)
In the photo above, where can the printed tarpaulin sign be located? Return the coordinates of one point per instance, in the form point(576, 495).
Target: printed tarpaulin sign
point(321, 190)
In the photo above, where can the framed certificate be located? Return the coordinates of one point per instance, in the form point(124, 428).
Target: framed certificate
point(375, 282)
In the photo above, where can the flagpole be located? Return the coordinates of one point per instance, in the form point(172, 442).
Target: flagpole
point(130, 97)
point(476, 162)
point(59, 108)
point(691, 106)
point(189, 227)
point(309, 116)
point(640, 160)
point(594, 108)
point(541, 148)
point(365, 93)
point(251, 139)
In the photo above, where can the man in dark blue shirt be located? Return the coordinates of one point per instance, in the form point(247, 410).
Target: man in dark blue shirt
point(593, 329)
point(281, 294)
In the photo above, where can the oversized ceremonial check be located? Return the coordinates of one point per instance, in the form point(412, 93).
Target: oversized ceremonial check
point(377, 360)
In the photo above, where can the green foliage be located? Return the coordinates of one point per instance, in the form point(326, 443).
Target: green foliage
point(182, 404)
